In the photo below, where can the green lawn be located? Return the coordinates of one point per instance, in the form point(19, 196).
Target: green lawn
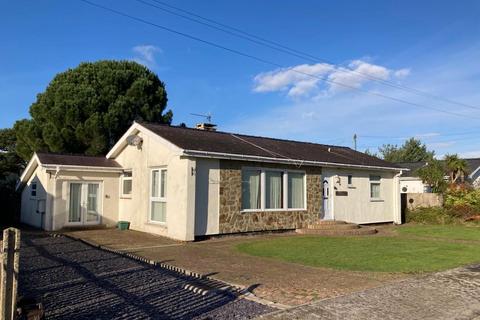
point(454, 232)
point(382, 254)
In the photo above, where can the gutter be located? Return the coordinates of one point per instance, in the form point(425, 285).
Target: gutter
point(231, 156)
point(57, 168)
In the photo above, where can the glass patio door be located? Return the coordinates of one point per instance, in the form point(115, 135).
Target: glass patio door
point(84, 203)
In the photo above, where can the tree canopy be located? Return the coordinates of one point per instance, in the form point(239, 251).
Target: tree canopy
point(412, 150)
point(88, 108)
point(433, 174)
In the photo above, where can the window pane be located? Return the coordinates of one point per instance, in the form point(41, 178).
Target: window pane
point(375, 178)
point(163, 181)
point(127, 186)
point(75, 210)
point(127, 174)
point(92, 197)
point(296, 197)
point(155, 176)
point(273, 190)
point(375, 190)
point(158, 211)
point(251, 189)
point(350, 179)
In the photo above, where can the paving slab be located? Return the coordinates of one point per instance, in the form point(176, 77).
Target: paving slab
point(452, 294)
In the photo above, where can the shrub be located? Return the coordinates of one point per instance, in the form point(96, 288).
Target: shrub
point(462, 197)
point(432, 215)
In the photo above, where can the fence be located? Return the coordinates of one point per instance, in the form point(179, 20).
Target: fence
point(9, 273)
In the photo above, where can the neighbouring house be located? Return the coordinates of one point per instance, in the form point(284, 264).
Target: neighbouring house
point(410, 182)
point(186, 183)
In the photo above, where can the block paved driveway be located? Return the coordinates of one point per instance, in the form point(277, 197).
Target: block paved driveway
point(77, 281)
point(452, 294)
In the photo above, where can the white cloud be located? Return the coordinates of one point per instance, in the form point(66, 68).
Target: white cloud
point(145, 54)
point(297, 80)
point(306, 79)
point(402, 73)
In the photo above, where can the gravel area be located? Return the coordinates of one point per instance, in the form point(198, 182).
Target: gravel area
point(76, 281)
point(452, 294)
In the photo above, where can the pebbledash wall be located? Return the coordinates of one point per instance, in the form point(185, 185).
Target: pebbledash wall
point(231, 217)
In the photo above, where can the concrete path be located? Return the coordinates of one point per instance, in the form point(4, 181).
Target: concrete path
point(453, 294)
point(76, 281)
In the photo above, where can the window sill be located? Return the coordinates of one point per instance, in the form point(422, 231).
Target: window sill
point(377, 200)
point(351, 186)
point(125, 197)
point(157, 224)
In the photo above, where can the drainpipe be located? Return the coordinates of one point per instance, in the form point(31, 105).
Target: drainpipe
point(397, 199)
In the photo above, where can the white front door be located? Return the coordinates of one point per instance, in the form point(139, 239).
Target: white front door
point(327, 207)
point(84, 203)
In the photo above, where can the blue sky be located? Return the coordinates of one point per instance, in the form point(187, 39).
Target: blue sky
point(431, 46)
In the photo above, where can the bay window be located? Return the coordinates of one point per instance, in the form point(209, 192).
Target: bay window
point(272, 189)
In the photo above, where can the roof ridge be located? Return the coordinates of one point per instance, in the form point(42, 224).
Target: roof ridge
point(242, 135)
point(69, 154)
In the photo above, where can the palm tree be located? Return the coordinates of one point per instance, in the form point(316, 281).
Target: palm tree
point(456, 167)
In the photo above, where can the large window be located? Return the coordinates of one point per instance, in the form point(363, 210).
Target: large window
point(269, 189)
point(126, 184)
point(375, 187)
point(158, 197)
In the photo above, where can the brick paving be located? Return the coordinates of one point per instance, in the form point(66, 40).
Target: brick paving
point(452, 294)
point(274, 280)
point(76, 281)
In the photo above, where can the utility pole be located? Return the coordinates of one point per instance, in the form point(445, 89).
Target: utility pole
point(355, 142)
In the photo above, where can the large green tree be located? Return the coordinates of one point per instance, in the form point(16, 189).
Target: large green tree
point(10, 166)
point(86, 109)
point(456, 167)
point(412, 150)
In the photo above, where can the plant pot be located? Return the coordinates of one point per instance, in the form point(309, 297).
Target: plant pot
point(123, 225)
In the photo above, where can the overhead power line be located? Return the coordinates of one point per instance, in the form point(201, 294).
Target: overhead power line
point(265, 61)
point(289, 50)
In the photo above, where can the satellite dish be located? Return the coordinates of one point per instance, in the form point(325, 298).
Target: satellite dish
point(135, 140)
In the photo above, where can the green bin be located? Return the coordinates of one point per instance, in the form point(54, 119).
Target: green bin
point(123, 225)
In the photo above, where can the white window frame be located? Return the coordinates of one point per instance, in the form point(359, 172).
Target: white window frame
point(284, 189)
point(33, 183)
point(157, 199)
point(376, 182)
point(350, 177)
point(123, 178)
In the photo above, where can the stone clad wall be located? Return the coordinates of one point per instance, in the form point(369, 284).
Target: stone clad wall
point(231, 218)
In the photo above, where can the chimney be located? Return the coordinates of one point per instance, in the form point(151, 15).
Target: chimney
point(207, 126)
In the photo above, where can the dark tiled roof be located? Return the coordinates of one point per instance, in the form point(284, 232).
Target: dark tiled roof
point(413, 166)
point(239, 144)
point(472, 165)
point(76, 160)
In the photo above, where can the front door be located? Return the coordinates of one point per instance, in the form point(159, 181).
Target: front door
point(84, 203)
point(327, 208)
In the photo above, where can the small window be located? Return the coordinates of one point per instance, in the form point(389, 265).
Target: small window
point(375, 187)
point(126, 184)
point(350, 180)
point(33, 190)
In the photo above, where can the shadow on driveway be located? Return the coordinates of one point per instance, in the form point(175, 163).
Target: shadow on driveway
point(76, 281)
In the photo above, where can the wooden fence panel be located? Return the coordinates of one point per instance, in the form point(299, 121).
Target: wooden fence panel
point(9, 273)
